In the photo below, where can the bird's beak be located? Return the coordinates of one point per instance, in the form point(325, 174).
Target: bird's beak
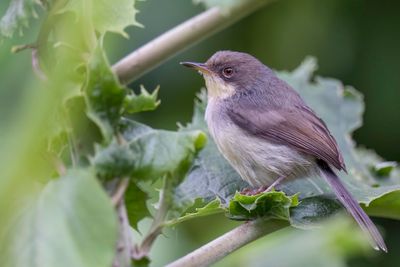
point(197, 66)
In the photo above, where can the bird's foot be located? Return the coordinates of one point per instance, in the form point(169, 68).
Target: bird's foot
point(254, 191)
point(262, 189)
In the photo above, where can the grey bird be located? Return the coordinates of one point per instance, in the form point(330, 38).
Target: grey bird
point(268, 133)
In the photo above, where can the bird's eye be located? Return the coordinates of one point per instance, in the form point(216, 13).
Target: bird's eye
point(227, 72)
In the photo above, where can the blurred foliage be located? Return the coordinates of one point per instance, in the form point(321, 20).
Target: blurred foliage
point(58, 136)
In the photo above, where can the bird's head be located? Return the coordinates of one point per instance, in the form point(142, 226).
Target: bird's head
point(227, 72)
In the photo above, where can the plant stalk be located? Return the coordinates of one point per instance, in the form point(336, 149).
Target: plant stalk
point(229, 242)
point(181, 37)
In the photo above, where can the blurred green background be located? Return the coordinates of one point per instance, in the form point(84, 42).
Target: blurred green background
point(355, 41)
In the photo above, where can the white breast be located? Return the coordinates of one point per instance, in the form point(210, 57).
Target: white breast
point(258, 161)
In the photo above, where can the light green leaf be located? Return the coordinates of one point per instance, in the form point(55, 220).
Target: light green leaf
point(144, 101)
point(105, 16)
point(341, 108)
point(70, 222)
point(17, 16)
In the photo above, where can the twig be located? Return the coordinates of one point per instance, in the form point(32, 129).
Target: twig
point(157, 225)
point(120, 191)
point(181, 37)
point(229, 242)
point(124, 249)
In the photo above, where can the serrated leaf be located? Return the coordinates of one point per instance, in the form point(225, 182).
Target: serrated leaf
point(161, 152)
point(106, 16)
point(71, 219)
point(103, 93)
point(17, 16)
point(148, 154)
point(274, 205)
point(135, 201)
point(341, 108)
point(144, 101)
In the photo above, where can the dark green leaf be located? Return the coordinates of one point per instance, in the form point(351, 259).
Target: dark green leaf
point(160, 152)
point(135, 200)
point(104, 95)
point(70, 219)
point(271, 204)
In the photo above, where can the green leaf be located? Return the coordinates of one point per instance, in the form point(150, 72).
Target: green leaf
point(106, 16)
point(145, 101)
point(135, 200)
point(70, 219)
point(148, 154)
point(212, 207)
point(103, 93)
point(341, 108)
point(274, 205)
point(161, 152)
point(17, 16)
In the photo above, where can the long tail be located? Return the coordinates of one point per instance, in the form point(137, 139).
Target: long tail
point(352, 207)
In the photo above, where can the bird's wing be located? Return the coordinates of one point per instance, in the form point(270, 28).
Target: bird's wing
point(298, 127)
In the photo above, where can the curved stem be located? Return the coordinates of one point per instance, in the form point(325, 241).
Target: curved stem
point(181, 37)
point(229, 242)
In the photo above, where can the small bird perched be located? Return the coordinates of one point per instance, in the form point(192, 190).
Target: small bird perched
point(268, 133)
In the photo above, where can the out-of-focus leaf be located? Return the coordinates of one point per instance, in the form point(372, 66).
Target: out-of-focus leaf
point(331, 246)
point(106, 16)
point(17, 16)
point(135, 201)
point(70, 219)
point(144, 101)
point(341, 108)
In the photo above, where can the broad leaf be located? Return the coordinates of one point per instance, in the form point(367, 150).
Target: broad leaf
point(341, 108)
point(70, 222)
point(148, 154)
point(17, 16)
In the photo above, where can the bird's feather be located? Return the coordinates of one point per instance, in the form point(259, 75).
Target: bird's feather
point(297, 126)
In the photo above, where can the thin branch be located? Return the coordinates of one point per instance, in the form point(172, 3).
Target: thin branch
point(118, 196)
point(181, 37)
point(229, 242)
point(125, 248)
point(157, 225)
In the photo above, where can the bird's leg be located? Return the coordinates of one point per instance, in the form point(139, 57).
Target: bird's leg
point(262, 189)
point(275, 183)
